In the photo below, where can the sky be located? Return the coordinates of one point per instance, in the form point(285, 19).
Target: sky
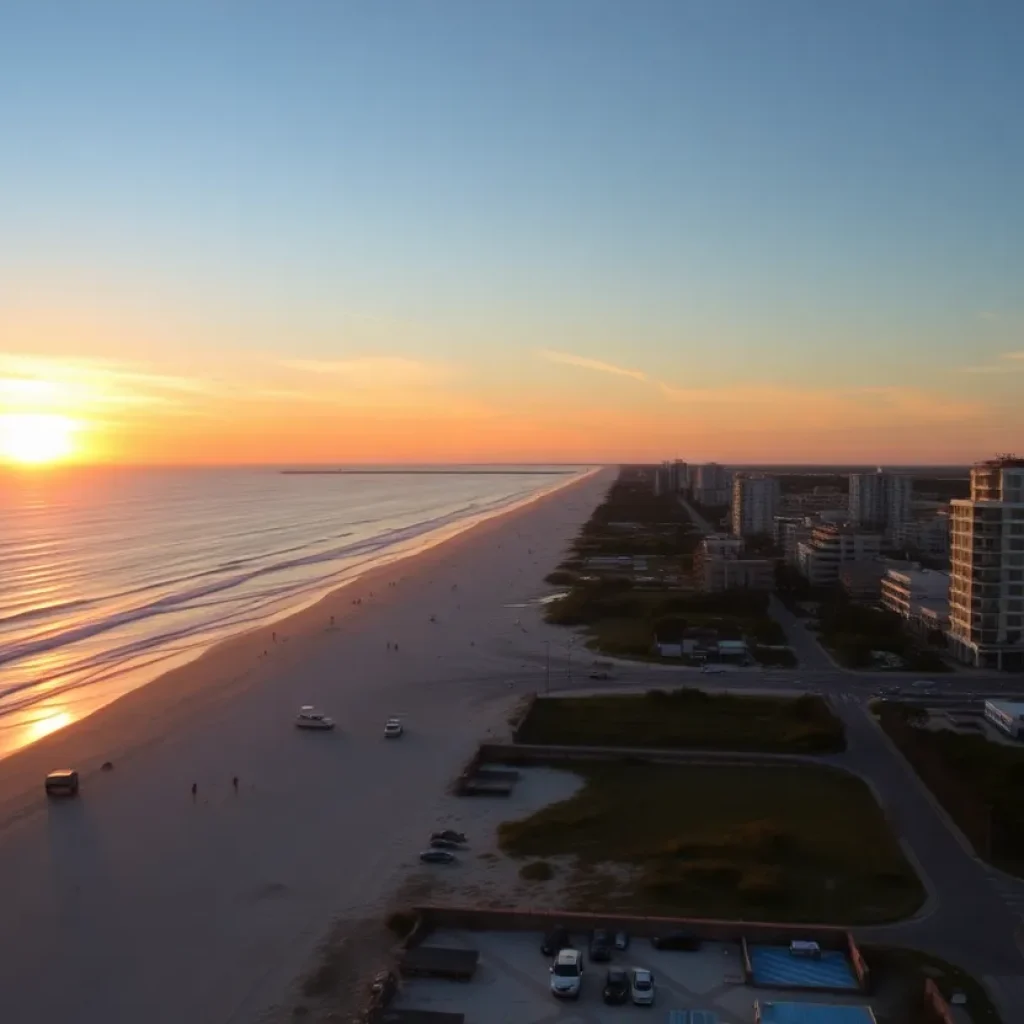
point(522, 230)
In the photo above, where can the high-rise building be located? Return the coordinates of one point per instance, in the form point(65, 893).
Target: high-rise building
point(710, 484)
point(671, 477)
point(755, 501)
point(880, 501)
point(986, 589)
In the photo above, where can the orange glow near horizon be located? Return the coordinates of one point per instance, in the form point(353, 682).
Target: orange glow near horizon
point(36, 438)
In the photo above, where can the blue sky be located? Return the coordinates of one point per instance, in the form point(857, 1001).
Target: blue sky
point(786, 195)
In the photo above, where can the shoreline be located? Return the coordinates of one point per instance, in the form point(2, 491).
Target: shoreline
point(235, 889)
point(177, 692)
point(385, 560)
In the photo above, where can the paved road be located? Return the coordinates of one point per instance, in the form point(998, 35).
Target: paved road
point(976, 918)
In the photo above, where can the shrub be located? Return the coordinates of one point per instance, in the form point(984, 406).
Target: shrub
point(400, 923)
point(537, 871)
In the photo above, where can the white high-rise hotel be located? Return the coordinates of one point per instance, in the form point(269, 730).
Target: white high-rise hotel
point(986, 589)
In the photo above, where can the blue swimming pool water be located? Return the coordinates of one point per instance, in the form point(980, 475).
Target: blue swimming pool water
point(814, 1013)
point(776, 966)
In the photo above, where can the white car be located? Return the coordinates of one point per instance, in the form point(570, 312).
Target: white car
point(393, 728)
point(641, 986)
point(713, 670)
point(567, 974)
point(309, 718)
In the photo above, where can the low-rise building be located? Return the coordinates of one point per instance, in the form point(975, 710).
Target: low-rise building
point(863, 580)
point(1007, 716)
point(720, 564)
point(832, 546)
point(905, 590)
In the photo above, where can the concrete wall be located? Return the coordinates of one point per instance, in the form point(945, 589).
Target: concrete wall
point(524, 753)
point(493, 919)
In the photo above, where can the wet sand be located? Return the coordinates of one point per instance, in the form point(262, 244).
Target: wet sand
point(139, 901)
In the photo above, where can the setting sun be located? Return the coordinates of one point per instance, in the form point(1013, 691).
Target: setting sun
point(35, 439)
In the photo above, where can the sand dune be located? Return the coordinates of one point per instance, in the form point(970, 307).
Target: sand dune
point(139, 903)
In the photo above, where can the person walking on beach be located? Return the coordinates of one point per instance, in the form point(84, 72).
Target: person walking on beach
point(195, 789)
point(234, 782)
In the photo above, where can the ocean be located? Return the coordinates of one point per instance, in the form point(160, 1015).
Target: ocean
point(111, 577)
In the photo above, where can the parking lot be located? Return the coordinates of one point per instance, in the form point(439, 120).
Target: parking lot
point(511, 984)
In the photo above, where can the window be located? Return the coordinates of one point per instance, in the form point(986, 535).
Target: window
point(1016, 591)
point(1014, 575)
point(1013, 621)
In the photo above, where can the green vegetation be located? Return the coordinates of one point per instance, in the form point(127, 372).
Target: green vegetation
point(777, 843)
point(979, 782)
point(622, 620)
point(907, 970)
point(686, 718)
point(851, 631)
point(537, 871)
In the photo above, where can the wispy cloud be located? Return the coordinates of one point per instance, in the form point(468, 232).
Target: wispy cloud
point(1007, 364)
point(585, 363)
point(371, 369)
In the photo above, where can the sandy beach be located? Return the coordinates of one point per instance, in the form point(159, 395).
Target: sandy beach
point(140, 901)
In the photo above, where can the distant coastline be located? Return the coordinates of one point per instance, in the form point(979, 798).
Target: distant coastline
point(426, 472)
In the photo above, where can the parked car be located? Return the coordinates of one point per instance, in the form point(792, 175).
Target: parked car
point(309, 718)
point(924, 684)
point(600, 945)
point(437, 857)
point(450, 834)
point(685, 941)
point(641, 986)
point(556, 940)
point(713, 670)
point(567, 974)
point(616, 986)
point(62, 782)
point(622, 940)
point(443, 844)
point(600, 675)
point(393, 728)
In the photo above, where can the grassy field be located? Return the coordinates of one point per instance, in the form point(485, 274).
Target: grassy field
point(765, 843)
point(686, 718)
point(980, 783)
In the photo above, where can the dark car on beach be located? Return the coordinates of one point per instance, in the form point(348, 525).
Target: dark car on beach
point(437, 857)
point(450, 834)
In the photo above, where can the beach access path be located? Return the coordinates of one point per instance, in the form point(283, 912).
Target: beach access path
point(141, 901)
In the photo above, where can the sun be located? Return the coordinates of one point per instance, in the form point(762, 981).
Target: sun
point(35, 438)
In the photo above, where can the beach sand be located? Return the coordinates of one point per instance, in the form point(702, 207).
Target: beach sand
point(140, 902)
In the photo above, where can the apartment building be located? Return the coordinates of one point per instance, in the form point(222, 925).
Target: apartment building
point(755, 501)
point(930, 536)
point(832, 546)
point(719, 564)
point(710, 484)
point(880, 501)
point(986, 590)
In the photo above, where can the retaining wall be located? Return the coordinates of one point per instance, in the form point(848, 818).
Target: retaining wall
point(518, 920)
